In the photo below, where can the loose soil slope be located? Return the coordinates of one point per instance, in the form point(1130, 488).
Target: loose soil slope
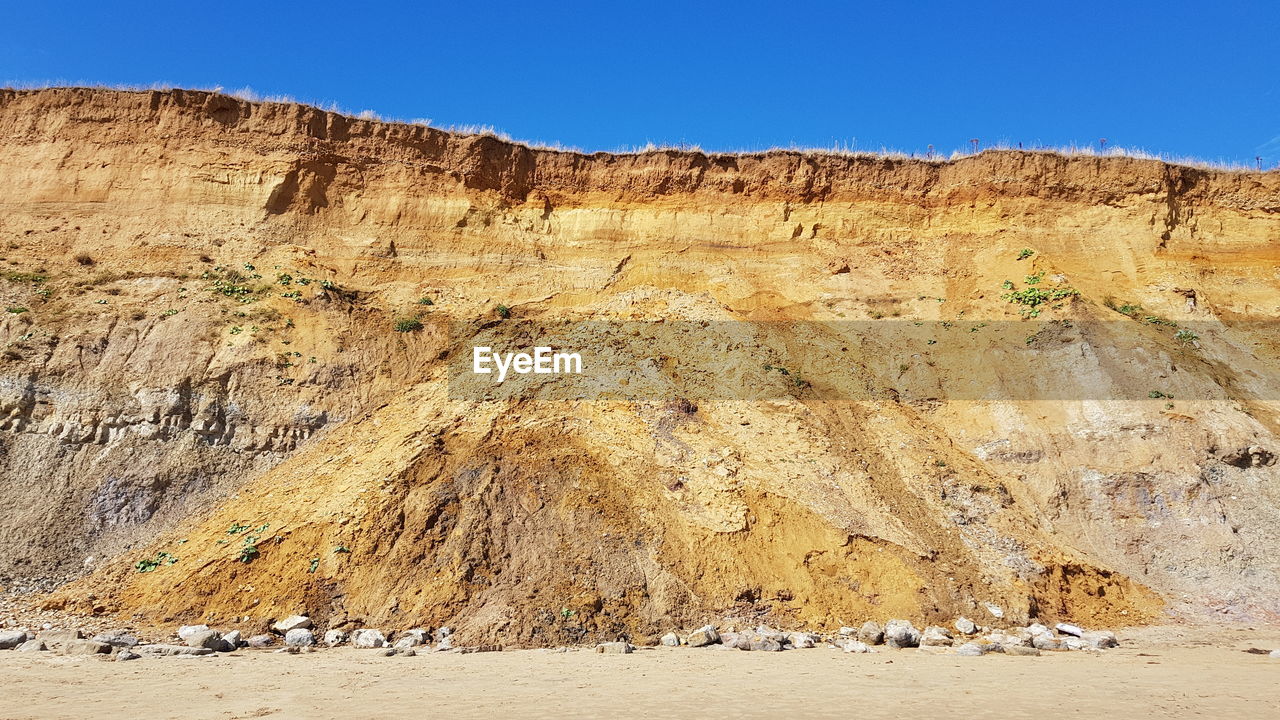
point(201, 373)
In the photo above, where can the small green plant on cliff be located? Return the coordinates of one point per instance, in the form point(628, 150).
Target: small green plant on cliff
point(794, 377)
point(1186, 337)
point(1033, 297)
point(1025, 253)
point(24, 277)
point(314, 565)
point(409, 324)
point(16, 310)
point(341, 550)
point(1157, 395)
point(236, 529)
point(248, 553)
point(426, 301)
point(503, 311)
point(149, 564)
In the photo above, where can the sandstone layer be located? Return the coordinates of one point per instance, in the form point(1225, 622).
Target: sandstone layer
point(209, 414)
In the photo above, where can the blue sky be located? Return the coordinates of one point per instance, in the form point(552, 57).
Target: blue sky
point(1199, 79)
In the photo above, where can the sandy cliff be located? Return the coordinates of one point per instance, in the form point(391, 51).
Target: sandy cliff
point(201, 372)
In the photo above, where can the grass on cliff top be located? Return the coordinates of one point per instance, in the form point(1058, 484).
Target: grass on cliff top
point(248, 94)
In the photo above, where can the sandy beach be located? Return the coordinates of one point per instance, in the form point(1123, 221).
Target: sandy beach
point(1157, 673)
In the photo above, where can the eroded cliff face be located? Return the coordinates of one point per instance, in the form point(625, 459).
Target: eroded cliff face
point(207, 367)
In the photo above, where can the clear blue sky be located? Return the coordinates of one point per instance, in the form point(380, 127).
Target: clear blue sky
point(1186, 78)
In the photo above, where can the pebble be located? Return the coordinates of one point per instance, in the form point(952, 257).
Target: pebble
point(126, 655)
point(1275, 654)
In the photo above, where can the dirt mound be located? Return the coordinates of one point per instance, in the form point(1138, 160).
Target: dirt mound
point(835, 388)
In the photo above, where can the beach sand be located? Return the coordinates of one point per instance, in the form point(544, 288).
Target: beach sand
point(1159, 673)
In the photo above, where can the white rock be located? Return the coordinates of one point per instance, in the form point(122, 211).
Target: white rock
point(291, 623)
point(1100, 639)
point(934, 636)
point(334, 638)
point(970, 650)
point(995, 610)
point(10, 639)
point(671, 640)
point(901, 634)
point(846, 630)
point(855, 646)
point(300, 637)
point(413, 638)
point(802, 640)
point(966, 626)
point(614, 648)
point(368, 639)
point(232, 638)
point(703, 636)
point(187, 631)
point(1067, 629)
point(1275, 654)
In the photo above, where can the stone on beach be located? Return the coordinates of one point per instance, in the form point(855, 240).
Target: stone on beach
point(970, 650)
point(965, 626)
point(670, 640)
point(1021, 650)
point(172, 650)
point(186, 631)
point(1068, 629)
point(292, 622)
point(703, 636)
point(935, 636)
point(871, 633)
point(117, 638)
point(261, 641)
point(901, 634)
point(614, 648)
point(10, 639)
point(366, 638)
point(334, 638)
point(300, 637)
